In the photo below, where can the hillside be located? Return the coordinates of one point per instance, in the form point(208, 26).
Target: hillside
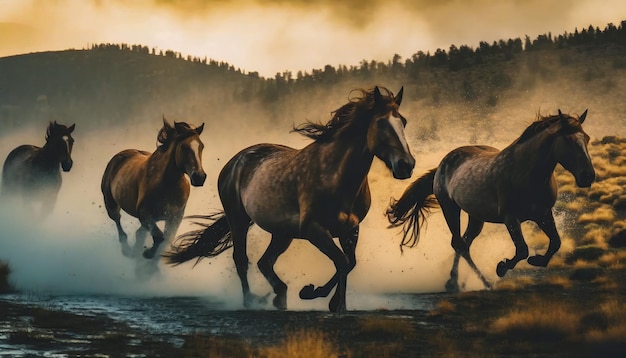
point(122, 83)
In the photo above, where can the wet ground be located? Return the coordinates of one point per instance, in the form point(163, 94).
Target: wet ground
point(168, 320)
point(403, 325)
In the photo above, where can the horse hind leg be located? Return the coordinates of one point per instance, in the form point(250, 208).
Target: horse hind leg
point(474, 227)
point(278, 245)
point(113, 210)
point(140, 240)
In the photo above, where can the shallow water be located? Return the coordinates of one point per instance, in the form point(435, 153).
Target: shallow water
point(171, 318)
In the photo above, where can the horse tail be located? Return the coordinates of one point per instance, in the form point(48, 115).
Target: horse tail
point(411, 210)
point(212, 240)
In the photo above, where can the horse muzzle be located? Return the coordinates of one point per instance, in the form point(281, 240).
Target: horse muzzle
point(197, 179)
point(585, 179)
point(66, 165)
point(403, 168)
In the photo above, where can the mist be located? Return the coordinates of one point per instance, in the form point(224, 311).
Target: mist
point(76, 250)
point(271, 36)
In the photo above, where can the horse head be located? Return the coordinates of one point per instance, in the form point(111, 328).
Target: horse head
point(385, 137)
point(570, 149)
point(188, 151)
point(59, 139)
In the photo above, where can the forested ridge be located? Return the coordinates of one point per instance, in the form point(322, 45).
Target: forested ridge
point(120, 82)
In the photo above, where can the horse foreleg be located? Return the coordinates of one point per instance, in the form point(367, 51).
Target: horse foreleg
point(157, 237)
point(549, 228)
point(321, 238)
point(348, 244)
point(278, 245)
point(521, 249)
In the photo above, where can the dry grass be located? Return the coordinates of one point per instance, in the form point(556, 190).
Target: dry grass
point(597, 236)
point(602, 215)
point(515, 283)
point(558, 281)
point(541, 321)
point(610, 327)
point(385, 326)
point(613, 260)
point(302, 344)
point(443, 307)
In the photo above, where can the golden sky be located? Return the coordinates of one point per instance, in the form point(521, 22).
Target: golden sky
point(272, 36)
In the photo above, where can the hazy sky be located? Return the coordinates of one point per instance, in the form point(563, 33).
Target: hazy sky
point(269, 36)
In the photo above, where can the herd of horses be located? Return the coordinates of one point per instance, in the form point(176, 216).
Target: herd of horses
point(319, 192)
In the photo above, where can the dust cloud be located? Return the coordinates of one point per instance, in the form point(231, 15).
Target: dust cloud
point(76, 250)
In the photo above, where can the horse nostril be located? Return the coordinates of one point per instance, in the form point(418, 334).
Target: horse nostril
point(197, 179)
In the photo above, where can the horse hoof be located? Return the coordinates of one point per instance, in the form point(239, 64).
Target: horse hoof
point(126, 251)
point(501, 269)
point(538, 260)
point(307, 292)
point(280, 302)
point(334, 306)
point(452, 286)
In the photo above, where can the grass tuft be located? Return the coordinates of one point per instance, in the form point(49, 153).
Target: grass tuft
point(303, 344)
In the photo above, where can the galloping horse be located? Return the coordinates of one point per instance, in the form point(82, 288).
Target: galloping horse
point(152, 186)
point(315, 193)
point(31, 174)
point(509, 186)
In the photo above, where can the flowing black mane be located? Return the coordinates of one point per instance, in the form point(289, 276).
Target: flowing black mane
point(558, 123)
point(344, 116)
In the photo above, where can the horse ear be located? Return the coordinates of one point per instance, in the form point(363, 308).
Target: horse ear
point(166, 124)
point(582, 117)
point(398, 98)
point(71, 128)
point(200, 129)
point(378, 98)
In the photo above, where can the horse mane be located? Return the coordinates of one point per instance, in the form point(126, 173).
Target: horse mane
point(563, 123)
point(343, 116)
point(167, 137)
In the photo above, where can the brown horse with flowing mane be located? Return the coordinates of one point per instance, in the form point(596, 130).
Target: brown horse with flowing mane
point(31, 174)
point(153, 186)
point(315, 193)
point(509, 186)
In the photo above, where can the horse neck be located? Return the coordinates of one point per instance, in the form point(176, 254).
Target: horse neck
point(350, 157)
point(533, 159)
point(165, 161)
point(47, 157)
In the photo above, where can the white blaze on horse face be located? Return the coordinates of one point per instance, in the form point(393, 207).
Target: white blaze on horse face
point(66, 140)
point(194, 145)
point(398, 128)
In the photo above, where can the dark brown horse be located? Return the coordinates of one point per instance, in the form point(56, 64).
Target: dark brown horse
point(152, 186)
point(509, 186)
point(316, 193)
point(31, 174)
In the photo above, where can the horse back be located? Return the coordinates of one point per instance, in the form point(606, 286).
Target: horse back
point(487, 184)
point(19, 168)
point(120, 181)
